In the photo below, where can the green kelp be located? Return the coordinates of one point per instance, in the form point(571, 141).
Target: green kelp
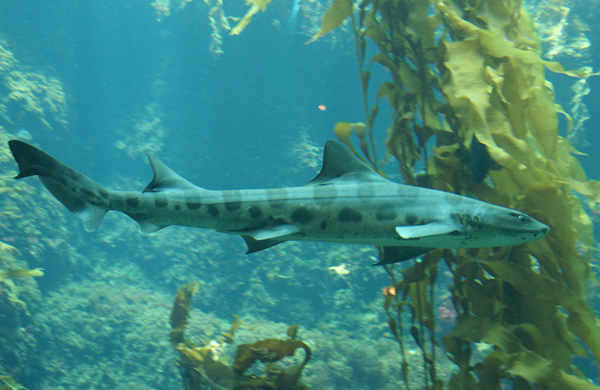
point(8, 383)
point(255, 6)
point(467, 83)
point(203, 367)
point(20, 273)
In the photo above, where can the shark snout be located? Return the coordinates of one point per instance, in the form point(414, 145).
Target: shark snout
point(543, 231)
point(538, 231)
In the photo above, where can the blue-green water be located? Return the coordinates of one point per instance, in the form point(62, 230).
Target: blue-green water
point(252, 111)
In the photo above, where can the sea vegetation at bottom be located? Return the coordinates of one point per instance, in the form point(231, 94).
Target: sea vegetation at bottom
point(470, 104)
point(19, 297)
point(29, 96)
point(202, 368)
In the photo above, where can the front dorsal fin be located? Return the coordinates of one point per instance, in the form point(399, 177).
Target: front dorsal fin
point(165, 178)
point(339, 162)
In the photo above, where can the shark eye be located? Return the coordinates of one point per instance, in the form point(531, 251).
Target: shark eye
point(521, 217)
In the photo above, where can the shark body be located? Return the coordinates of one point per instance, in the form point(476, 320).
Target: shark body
point(347, 202)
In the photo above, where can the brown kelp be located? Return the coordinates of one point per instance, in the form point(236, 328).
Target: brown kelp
point(202, 367)
point(470, 103)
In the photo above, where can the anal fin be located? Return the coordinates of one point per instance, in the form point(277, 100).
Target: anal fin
point(258, 245)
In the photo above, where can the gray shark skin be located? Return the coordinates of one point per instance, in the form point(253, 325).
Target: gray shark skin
point(347, 202)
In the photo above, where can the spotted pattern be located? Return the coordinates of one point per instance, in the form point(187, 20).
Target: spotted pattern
point(349, 215)
point(411, 219)
point(133, 202)
point(213, 210)
point(160, 202)
point(302, 216)
point(193, 205)
point(255, 211)
point(386, 212)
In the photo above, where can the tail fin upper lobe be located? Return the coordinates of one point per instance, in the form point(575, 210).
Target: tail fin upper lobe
point(82, 196)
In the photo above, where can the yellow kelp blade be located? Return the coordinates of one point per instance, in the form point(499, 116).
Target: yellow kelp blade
point(335, 15)
point(20, 273)
point(8, 383)
point(256, 6)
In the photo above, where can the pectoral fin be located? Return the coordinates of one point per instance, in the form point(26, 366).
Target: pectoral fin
point(263, 238)
point(429, 229)
point(271, 232)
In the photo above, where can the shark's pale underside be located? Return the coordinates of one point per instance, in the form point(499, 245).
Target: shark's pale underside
point(347, 202)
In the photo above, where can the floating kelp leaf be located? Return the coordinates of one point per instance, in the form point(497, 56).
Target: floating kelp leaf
point(400, 143)
point(343, 131)
point(267, 351)
point(335, 15)
point(21, 273)
point(199, 369)
point(292, 331)
point(386, 89)
point(235, 325)
point(181, 311)
point(8, 383)
point(256, 5)
point(590, 188)
point(376, 33)
point(384, 60)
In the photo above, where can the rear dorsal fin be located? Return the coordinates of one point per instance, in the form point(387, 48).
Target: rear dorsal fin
point(165, 178)
point(339, 163)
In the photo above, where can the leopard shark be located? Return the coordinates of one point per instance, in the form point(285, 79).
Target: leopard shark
point(347, 202)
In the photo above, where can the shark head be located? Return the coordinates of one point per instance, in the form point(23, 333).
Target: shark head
point(499, 226)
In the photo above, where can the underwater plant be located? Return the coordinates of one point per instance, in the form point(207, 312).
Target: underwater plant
point(202, 367)
point(470, 103)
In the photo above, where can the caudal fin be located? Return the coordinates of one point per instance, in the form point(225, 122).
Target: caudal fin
point(82, 196)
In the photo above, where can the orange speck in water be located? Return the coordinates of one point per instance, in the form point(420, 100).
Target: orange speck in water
point(389, 291)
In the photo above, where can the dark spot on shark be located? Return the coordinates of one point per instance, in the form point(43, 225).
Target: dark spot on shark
point(348, 215)
point(323, 225)
point(411, 219)
point(255, 211)
point(386, 212)
point(302, 216)
point(159, 202)
point(133, 202)
point(177, 207)
point(193, 205)
point(213, 210)
point(232, 206)
point(232, 200)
